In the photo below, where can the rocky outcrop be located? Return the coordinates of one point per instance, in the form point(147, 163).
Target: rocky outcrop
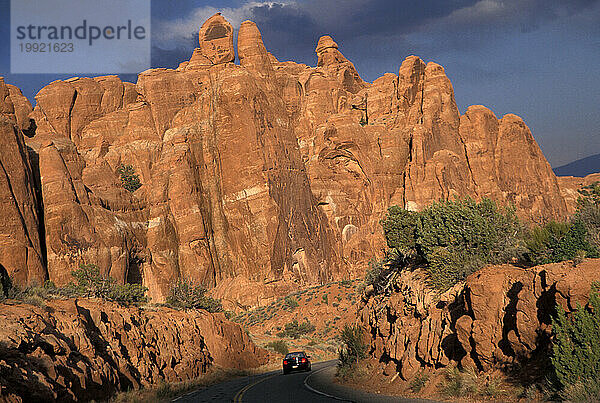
point(216, 41)
point(79, 350)
point(261, 173)
point(499, 317)
point(21, 253)
point(570, 186)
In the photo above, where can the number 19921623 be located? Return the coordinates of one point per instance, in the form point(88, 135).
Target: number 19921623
point(43, 47)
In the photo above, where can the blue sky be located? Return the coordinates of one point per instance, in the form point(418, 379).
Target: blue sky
point(537, 59)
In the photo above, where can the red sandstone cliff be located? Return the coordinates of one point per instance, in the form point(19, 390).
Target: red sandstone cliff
point(255, 176)
point(79, 350)
point(498, 317)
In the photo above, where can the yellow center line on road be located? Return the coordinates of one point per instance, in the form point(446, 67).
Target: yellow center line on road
point(238, 396)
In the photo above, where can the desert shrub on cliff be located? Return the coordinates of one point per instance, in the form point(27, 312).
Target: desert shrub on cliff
point(279, 346)
point(129, 179)
point(185, 294)
point(91, 283)
point(588, 212)
point(418, 382)
point(576, 349)
point(88, 283)
point(295, 330)
point(452, 239)
point(290, 303)
point(557, 242)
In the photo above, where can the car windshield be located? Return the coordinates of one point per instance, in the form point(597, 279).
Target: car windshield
point(294, 355)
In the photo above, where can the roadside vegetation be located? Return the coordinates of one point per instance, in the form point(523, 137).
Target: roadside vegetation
point(352, 351)
point(87, 282)
point(453, 239)
point(576, 350)
point(468, 383)
point(295, 329)
point(279, 346)
point(284, 320)
point(185, 294)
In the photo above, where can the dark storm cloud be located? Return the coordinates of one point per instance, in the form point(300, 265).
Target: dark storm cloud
point(306, 21)
point(291, 29)
point(170, 58)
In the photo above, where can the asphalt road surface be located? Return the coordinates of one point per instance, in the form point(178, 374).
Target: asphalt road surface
point(315, 386)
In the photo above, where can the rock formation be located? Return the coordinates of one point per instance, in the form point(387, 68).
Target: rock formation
point(261, 173)
point(21, 253)
point(80, 350)
point(499, 317)
point(570, 186)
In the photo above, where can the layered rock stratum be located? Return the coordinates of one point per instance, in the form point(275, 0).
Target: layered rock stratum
point(257, 178)
point(500, 317)
point(82, 350)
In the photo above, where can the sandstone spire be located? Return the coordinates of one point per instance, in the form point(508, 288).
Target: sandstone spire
point(328, 53)
point(216, 40)
point(251, 50)
point(330, 58)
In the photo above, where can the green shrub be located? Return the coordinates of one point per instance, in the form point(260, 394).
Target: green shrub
point(279, 346)
point(290, 303)
point(184, 294)
point(325, 298)
point(583, 391)
point(419, 382)
point(128, 294)
point(557, 242)
point(459, 383)
point(375, 271)
point(401, 229)
point(353, 348)
point(129, 179)
point(576, 347)
point(33, 299)
point(454, 238)
point(90, 283)
point(541, 242)
point(295, 330)
point(588, 212)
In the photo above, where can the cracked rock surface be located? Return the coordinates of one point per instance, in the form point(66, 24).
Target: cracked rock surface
point(500, 316)
point(79, 350)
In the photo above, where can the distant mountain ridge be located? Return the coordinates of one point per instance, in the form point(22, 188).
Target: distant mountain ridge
point(580, 168)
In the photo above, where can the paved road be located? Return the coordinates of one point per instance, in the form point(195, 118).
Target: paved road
point(315, 386)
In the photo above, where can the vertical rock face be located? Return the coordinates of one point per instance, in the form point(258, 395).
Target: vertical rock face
point(87, 350)
point(499, 317)
point(264, 173)
point(21, 252)
point(251, 50)
point(500, 172)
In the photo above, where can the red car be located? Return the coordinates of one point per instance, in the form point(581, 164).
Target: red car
point(297, 361)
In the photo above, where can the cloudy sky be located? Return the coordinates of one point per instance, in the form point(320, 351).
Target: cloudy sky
point(537, 59)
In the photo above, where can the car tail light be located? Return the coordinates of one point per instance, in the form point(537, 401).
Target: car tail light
point(304, 360)
point(284, 361)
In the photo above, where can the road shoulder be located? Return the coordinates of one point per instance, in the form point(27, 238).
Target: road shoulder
point(323, 382)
